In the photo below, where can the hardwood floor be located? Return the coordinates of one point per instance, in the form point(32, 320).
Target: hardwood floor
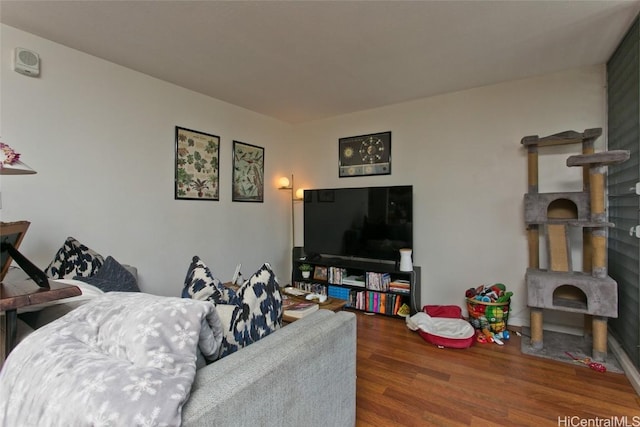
point(405, 381)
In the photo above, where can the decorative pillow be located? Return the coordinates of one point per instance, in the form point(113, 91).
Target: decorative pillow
point(74, 259)
point(258, 311)
point(112, 277)
point(200, 284)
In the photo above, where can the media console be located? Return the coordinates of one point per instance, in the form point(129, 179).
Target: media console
point(370, 286)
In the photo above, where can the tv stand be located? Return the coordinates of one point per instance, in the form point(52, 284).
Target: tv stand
point(368, 285)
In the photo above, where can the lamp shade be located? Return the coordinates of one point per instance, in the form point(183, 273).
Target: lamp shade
point(284, 182)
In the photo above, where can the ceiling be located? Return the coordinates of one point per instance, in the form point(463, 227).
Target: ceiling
point(299, 61)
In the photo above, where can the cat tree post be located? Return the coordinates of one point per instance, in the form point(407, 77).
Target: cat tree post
point(587, 148)
point(536, 328)
point(597, 164)
point(533, 236)
point(599, 347)
point(533, 232)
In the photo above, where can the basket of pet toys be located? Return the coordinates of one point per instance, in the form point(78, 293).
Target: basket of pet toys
point(488, 307)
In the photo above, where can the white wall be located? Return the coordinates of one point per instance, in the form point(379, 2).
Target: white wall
point(462, 153)
point(102, 140)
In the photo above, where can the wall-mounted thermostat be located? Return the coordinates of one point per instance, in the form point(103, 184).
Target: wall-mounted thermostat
point(26, 62)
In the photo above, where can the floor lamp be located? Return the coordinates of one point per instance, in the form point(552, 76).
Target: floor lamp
point(297, 195)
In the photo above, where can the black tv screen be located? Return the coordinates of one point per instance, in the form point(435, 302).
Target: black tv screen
point(368, 223)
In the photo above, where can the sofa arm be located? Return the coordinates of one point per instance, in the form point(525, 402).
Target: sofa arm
point(302, 374)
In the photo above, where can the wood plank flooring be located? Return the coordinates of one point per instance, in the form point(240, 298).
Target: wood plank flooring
point(405, 381)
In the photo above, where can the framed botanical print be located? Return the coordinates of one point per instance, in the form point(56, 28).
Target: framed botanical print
point(197, 165)
point(365, 155)
point(248, 172)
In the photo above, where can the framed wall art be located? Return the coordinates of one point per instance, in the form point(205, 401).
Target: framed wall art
point(248, 172)
point(365, 155)
point(197, 165)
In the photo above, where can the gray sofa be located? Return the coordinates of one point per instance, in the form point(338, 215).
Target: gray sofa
point(303, 374)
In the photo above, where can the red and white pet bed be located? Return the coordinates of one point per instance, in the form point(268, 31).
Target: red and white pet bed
point(443, 326)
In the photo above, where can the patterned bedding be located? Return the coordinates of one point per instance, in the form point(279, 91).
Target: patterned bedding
point(122, 359)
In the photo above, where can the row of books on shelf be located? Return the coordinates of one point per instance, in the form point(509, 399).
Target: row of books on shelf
point(371, 280)
point(376, 302)
point(396, 286)
point(378, 281)
point(367, 300)
point(336, 275)
point(312, 287)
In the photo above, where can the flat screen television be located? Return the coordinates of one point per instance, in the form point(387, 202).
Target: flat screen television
point(369, 223)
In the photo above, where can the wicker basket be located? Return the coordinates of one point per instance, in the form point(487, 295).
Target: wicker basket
point(488, 315)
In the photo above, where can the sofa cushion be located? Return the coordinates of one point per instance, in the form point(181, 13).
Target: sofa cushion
point(74, 259)
point(258, 311)
point(112, 277)
point(202, 285)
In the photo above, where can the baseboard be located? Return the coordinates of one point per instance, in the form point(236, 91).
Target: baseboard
point(629, 368)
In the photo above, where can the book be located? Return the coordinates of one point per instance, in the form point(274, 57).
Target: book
point(354, 281)
point(377, 281)
point(299, 309)
point(400, 286)
point(287, 302)
point(396, 308)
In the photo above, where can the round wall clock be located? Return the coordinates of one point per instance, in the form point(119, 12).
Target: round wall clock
point(371, 149)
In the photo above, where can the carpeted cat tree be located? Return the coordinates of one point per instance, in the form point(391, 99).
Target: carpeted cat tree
point(589, 291)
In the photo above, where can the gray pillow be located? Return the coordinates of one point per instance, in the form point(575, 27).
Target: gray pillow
point(112, 277)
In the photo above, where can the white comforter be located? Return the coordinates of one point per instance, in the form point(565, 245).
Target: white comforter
point(122, 359)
